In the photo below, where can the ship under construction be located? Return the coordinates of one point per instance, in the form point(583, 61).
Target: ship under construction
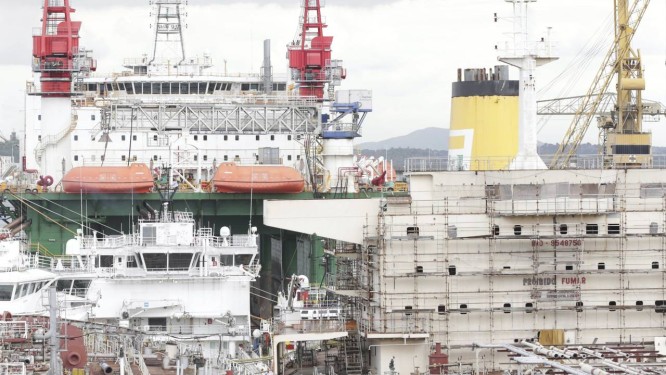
point(496, 261)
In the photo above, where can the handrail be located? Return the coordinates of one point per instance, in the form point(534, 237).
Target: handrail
point(493, 163)
point(41, 249)
point(55, 138)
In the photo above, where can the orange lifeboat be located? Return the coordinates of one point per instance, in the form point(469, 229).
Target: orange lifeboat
point(232, 178)
point(135, 178)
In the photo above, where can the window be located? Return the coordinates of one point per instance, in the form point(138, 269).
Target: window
point(256, 137)
point(226, 157)
point(80, 286)
point(452, 231)
point(39, 138)
point(102, 157)
point(237, 137)
point(298, 157)
point(441, 309)
point(226, 137)
point(412, 232)
point(288, 157)
point(639, 305)
point(205, 137)
point(6, 292)
point(76, 137)
point(20, 290)
point(660, 306)
point(564, 229)
point(134, 158)
point(507, 308)
point(654, 228)
point(123, 158)
point(655, 265)
point(155, 157)
point(517, 230)
point(601, 266)
point(452, 270)
point(155, 137)
point(134, 137)
point(205, 157)
point(157, 324)
point(631, 149)
point(529, 307)
point(579, 306)
point(180, 261)
point(463, 309)
point(496, 230)
point(39, 117)
point(122, 137)
point(592, 229)
point(408, 310)
point(196, 157)
point(613, 228)
point(289, 137)
point(104, 261)
point(63, 285)
point(76, 157)
point(419, 269)
point(568, 267)
point(92, 117)
point(272, 137)
point(611, 305)
point(196, 137)
point(155, 261)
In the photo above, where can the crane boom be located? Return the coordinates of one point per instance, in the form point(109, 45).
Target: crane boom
point(568, 106)
point(595, 95)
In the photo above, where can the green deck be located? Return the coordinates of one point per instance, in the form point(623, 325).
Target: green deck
point(56, 217)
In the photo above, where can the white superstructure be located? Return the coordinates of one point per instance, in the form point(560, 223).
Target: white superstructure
point(170, 109)
point(170, 280)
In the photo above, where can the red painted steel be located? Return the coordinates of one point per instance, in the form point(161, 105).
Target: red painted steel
point(310, 61)
point(55, 47)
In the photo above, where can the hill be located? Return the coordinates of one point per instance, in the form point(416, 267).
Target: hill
point(427, 138)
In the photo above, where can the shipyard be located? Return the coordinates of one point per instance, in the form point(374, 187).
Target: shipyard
point(171, 215)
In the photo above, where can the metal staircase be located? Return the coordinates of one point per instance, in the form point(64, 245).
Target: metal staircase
point(352, 354)
point(55, 138)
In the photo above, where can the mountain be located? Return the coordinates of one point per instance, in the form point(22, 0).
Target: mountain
point(428, 138)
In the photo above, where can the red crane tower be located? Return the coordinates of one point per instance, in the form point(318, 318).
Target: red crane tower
point(310, 55)
point(56, 49)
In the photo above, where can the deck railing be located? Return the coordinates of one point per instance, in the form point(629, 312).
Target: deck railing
point(454, 163)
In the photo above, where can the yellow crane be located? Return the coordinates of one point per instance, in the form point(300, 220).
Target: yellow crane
point(625, 143)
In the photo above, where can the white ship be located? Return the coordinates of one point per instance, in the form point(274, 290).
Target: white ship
point(170, 109)
point(168, 281)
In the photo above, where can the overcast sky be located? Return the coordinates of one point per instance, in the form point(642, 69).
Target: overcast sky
point(405, 51)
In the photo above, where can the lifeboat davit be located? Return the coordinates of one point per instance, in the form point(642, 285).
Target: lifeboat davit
point(135, 178)
point(232, 178)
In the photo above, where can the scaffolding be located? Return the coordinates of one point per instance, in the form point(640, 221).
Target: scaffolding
point(476, 261)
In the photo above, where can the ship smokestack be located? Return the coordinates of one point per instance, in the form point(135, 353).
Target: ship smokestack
point(267, 69)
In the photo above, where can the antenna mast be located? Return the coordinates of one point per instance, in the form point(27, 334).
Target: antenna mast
point(168, 33)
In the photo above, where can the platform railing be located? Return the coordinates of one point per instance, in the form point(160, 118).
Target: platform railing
point(455, 163)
